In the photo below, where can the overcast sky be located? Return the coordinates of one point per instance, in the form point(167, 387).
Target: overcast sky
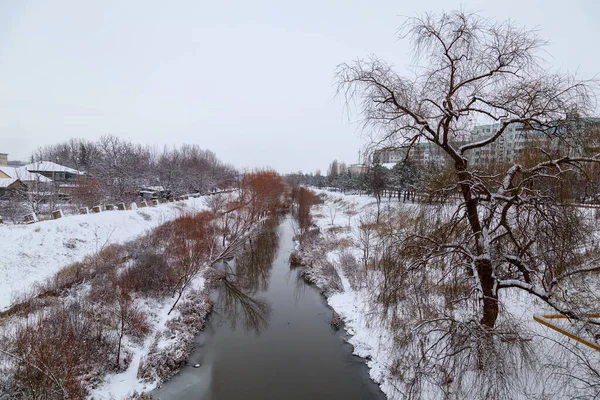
point(251, 80)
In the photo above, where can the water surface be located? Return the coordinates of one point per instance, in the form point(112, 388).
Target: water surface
point(269, 336)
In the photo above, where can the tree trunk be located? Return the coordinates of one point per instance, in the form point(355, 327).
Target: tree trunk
point(490, 296)
point(484, 264)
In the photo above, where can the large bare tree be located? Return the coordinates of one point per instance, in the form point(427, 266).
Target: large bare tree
point(510, 228)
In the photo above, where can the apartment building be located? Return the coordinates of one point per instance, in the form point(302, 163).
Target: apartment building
point(421, 155)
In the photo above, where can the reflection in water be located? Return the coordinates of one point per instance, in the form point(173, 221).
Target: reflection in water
point(253, 266)
point(248, 275)
point(238, 306)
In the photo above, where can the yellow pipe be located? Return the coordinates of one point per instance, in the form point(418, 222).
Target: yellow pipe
point(562, 331)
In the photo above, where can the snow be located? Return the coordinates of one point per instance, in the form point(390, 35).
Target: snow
point(6, 182)
point(32, 253)
point(49, 166)
point(24, 175)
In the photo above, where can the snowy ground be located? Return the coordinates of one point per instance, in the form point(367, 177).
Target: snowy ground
point(32, 253)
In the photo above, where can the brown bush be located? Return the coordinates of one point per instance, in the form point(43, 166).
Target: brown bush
point(295, 259)
point(306, 199)
point(67, 277)
point(150, 274)
point(107, 259)
point(57, 352)
point(102, 290)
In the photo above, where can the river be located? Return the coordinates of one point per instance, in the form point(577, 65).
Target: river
point(269, 336)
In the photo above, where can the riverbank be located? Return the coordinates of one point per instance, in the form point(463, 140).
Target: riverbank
point(332, 258)
point(539, 363)
point(123, 320)
point(33, 253)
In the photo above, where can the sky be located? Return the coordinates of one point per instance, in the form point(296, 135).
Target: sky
point(252, 81)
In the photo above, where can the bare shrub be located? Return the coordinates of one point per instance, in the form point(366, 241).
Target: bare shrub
point(150, 274)
point(139, 396)
point(108, 258)
point(336, 321)
point(57, 352)
point(295, 259)
point(305, 199)
point(353, 271)
point(336, 229)
point(68, 276)
point(325, 276)
point(102, 290)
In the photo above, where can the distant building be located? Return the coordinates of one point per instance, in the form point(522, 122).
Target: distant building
point(517, 140)
point(3, 159)
point(65, 180)
point(336, 168)
point(504, 149)
point(386, 156)
point(420, 155)
point(357, 169)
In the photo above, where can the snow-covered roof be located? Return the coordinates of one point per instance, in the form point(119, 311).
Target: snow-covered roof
point(388, 165)
point(49, 166)
point(154, 188)
point(24, 175)
point(6, 182)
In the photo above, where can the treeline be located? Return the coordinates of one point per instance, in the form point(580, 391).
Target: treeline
point(118, 168)
point(403, 179)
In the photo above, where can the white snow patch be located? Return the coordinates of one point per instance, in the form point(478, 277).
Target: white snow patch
point(32, 253)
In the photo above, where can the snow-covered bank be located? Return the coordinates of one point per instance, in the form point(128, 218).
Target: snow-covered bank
point(164, 351)
point(553, 366)
point(337, 220)
point(32, 253)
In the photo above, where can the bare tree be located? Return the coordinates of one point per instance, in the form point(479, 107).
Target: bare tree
point(451, 268)
point(472, 69)
point(13, 206)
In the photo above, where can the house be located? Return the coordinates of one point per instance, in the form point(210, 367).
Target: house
point(65, 180)
point(32, 180)
point(54, 171)
point(10, 184)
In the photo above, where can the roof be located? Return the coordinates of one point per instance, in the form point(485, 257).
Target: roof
point(153, 188)
point(6, 182)
point(24, 175)
point(49, 166)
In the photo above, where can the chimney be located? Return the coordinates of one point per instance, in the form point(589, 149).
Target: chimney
point(3, 159)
